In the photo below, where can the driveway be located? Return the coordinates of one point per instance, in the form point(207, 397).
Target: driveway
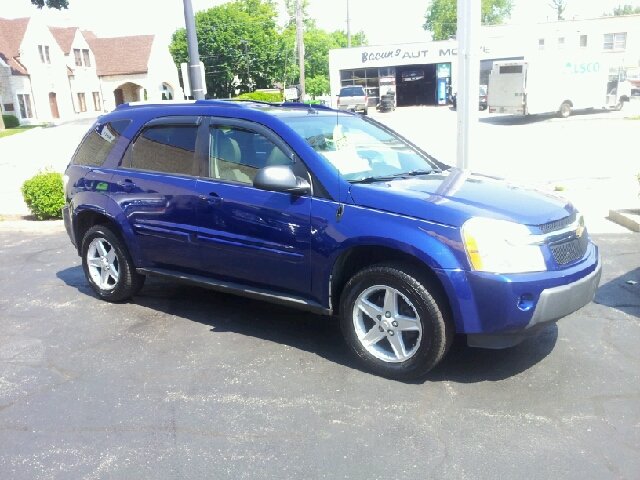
point(183, 382)
point(24, 155)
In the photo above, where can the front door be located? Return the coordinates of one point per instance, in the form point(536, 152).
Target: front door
point(246, 234)
point(54, 105)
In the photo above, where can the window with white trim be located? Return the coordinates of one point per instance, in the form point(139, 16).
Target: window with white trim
point(583, 41)
point(615, 41)
point(43, 50)
point(24, 100)
point(96, 101)
point(82, 104)
point(541, 44)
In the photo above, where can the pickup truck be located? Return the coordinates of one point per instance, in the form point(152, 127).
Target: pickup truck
point(353, 98)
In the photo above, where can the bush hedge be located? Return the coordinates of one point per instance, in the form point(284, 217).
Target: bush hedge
point(261, 97)
point(10, 121)
point(44, 195)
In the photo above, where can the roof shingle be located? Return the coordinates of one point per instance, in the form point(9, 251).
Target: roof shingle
point(121, 55)
point(11, 36)
point(64, 37)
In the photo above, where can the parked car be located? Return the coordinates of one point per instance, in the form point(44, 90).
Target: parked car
point(354, 99)
point(482, 98)
point(329, 212)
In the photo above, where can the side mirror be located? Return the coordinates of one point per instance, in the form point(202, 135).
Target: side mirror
point(280, 178)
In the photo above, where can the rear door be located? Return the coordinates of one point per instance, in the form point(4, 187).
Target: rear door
point(249, 235)
point(507, 87)
point(155, 189)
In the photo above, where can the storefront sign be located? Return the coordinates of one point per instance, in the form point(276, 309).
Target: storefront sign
point(406, 54)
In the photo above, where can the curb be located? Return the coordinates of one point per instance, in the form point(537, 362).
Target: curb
point(627, 218)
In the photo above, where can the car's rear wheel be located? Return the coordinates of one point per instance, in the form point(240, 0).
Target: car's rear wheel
point(108, 266)
point(393, 323)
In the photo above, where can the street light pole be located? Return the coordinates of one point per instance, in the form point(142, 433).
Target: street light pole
point(348, 27)
point(468, 36)
point(300, 38)
point(195, 74)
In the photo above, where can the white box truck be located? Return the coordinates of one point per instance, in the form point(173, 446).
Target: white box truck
point(546, 85)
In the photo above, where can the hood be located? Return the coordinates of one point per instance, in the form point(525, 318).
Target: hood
point(453, 197)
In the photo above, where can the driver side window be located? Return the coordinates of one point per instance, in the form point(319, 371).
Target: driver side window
point(236, 154)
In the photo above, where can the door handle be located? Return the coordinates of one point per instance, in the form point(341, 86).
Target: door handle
point(126, 185)
point(212, 199)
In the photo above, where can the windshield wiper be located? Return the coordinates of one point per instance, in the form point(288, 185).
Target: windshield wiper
point(384, 178)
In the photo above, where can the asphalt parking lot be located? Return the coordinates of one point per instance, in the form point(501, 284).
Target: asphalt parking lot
point(187, 383)
point(183, 382)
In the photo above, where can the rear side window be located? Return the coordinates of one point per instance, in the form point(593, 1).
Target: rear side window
point(352, 92)
point(98, 143)
point(166, 148)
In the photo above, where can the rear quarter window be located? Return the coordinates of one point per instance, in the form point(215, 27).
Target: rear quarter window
point(97, 144)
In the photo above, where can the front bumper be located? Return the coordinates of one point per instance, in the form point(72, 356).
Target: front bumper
point(552, 304)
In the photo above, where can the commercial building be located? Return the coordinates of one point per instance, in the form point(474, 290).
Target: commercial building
point(424, 73)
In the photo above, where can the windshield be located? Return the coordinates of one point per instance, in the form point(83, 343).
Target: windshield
point(358, 148)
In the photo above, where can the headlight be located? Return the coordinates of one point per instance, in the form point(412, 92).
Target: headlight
point(499, 246)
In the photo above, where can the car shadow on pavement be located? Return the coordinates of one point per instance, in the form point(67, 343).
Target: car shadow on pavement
point(313, 333)
point(621, 293)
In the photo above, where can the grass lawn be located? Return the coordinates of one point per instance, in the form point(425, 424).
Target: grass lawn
point(13, 131)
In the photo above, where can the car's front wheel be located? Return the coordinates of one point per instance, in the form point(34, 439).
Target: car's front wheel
point(108, 266)
point(393, 323)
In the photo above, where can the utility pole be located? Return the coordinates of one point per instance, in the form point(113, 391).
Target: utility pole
point(348, 27)
point(300, 40)
point(468, 36)
point(195, 75)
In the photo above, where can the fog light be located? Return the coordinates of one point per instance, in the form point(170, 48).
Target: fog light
point(526, 302)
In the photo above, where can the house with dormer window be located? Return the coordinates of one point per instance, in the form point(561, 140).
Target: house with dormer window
point(52, 74)
point(33, 73)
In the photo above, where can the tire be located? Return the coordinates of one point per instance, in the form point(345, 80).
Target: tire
point(108, 266)
point(565, 110)
point(402, 341)
point(619, 106)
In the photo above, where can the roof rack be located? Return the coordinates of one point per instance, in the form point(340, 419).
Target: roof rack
point(227, 102)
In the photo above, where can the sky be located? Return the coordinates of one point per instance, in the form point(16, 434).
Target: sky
point(399, 21)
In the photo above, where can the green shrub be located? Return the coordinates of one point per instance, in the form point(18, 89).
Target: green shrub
point(10, 121)
point(44, 195)
point(261, 97)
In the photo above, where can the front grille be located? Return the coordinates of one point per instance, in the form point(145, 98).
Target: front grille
point(558, 224)
point(570, 251)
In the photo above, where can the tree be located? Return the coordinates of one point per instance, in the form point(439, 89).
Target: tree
point(57, 4)
point(620, 11)
point(441, 18)
point(317, 85)
point(559, 6)
point(317, 43)
point(221, 33)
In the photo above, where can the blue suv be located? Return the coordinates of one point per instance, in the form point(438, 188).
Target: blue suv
point(325, 211)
